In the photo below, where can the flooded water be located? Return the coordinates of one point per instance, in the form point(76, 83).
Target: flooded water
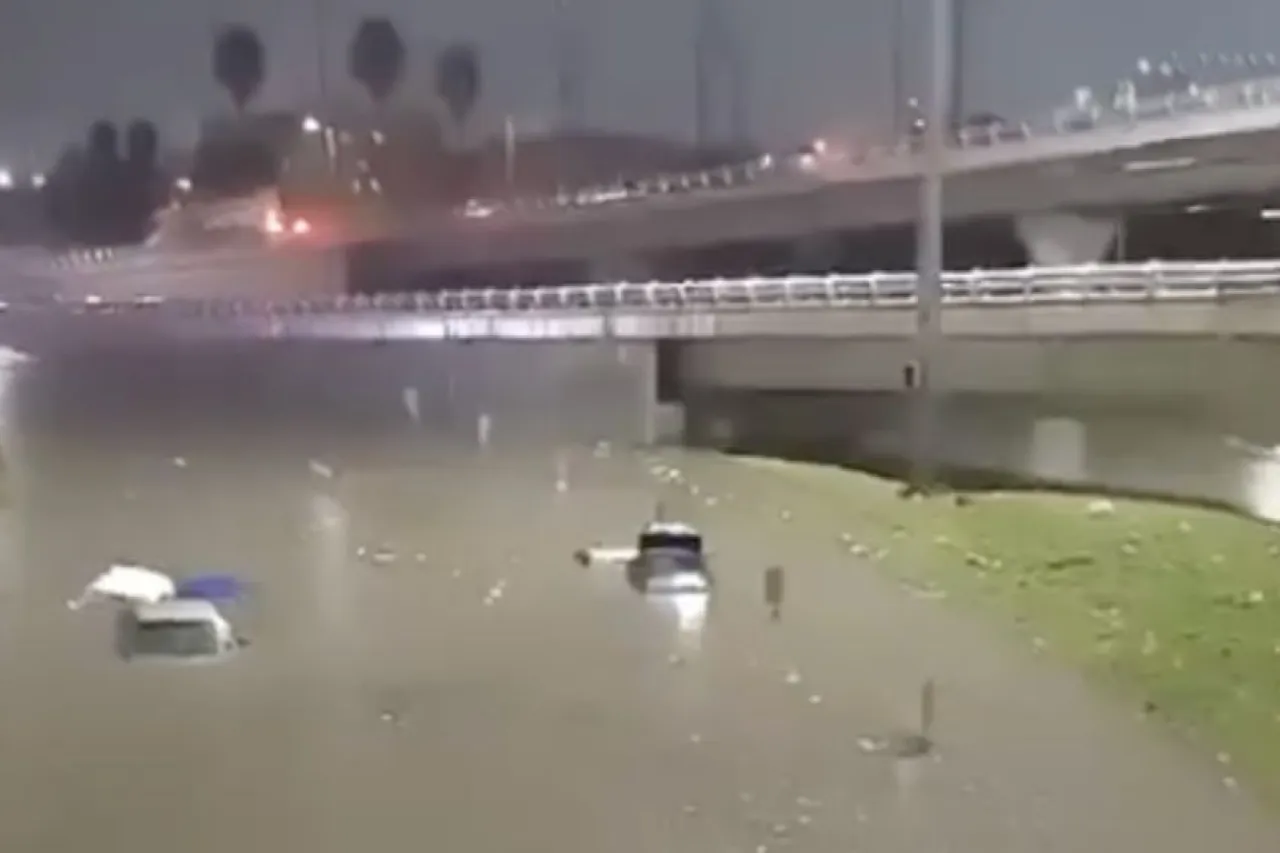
point(429, 669)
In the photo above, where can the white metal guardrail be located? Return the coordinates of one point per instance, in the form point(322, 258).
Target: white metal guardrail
point(1094, 283)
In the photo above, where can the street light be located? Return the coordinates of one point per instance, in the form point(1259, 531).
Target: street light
point(929, 252)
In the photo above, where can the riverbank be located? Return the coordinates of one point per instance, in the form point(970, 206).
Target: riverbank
point(1175, 609)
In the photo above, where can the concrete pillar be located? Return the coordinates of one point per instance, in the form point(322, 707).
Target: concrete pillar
point(642, 358)
point(618, 268)
point(1065, 239)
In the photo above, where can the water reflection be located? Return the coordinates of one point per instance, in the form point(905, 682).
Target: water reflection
point(689, 610)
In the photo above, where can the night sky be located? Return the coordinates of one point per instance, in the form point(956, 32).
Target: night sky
point(816, 66)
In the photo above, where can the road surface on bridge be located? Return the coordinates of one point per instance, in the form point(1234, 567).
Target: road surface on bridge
point(430, 670)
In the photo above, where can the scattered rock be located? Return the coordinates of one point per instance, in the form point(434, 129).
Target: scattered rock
point(1101, 508)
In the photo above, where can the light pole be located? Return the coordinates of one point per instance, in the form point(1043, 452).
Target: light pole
point(929, 251)
point(328, 135)
point(898, 72)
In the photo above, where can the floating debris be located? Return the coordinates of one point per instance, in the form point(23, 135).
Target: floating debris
point(180, 461)
point(793, 677)
point(495, 593)
point(872, 745)
point(1100, 508)
point(774, 591)
point(320, 469)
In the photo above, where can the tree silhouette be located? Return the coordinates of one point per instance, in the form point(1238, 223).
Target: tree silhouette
point(143, 186)
point(101, 186)
point(239, 63)
point(376, 58)
point(458, 80)
point(64, 194)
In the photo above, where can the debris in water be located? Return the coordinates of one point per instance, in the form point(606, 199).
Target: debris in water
point(793, 677)
point(815, 699)
point(383, 557)
point(871, 745)
point(774, 591)
point(180, 461)
point(495, 593)
point(127, 582)
point(320, 469)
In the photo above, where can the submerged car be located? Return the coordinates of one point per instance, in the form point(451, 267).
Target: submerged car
point(176, 630)
point(669, 559)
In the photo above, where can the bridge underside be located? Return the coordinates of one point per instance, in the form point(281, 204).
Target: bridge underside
point(1187, 418)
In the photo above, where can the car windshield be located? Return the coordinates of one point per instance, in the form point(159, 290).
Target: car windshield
point(687, 542)
point(175, 638)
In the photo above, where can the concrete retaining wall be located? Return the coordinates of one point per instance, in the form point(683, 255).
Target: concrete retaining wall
point(1162, 449)
point(1236, 380)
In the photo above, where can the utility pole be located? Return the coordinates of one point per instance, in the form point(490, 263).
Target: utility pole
point(930, 257)
point(959, 52)
point(898, 73)
point(328, 136)
point(571, 68)
point(719, 72)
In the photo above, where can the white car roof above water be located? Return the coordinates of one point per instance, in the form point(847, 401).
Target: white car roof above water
point(178, 610)
point(670, 528)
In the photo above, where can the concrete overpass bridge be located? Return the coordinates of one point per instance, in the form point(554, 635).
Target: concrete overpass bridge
point(1038, 365)
point(1064, 182)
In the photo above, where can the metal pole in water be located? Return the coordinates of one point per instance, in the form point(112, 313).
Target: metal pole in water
point(929, 256)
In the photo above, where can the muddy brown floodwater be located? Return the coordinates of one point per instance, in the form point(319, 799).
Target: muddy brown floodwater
point(430, 669)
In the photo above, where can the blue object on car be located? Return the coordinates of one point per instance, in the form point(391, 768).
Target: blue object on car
point(213, 586)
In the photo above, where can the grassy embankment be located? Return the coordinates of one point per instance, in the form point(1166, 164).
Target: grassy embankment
point(1175, 608)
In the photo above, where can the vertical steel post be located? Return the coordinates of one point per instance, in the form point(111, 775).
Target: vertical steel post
point(930, 260)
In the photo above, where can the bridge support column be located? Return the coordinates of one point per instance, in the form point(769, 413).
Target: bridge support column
point(616, 268)
point(1066, 239)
